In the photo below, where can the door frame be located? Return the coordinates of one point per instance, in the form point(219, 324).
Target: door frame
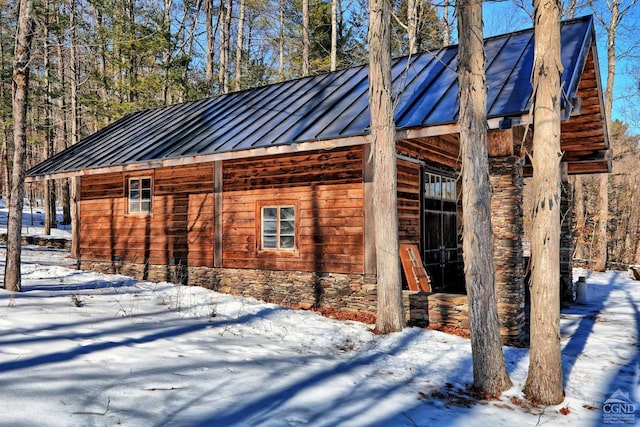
point(445, 275)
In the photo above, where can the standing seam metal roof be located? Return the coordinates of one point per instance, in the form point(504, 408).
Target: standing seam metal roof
point(323, 107)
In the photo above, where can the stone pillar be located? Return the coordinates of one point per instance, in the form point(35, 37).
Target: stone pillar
point(566, 243)
point(507, 222)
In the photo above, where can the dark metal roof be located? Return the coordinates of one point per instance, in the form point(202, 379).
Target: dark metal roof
point(323, 107)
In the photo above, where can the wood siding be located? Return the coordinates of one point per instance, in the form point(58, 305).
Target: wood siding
point(327, 190)
point(179, 230)
point(409, 201)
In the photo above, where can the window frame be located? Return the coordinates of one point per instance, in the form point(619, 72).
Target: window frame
point(141, 190)
point(260, 227)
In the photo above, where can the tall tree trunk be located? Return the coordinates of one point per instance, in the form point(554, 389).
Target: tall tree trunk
point(208, 12)
point(24, 35)
point(334, 34)
point(281, 43)
point(49, 185)
point(6, 137)
point(412, 25)
point(74, 82)
point(167, 53)
point(239, 46)
point(390, 314)
point(306, 66)
point(601, 250)
point(225, 35)
point(61, 120)
point(600, 262)
point(544, 381)
point(579, 223)
point(490, 377)
point(446, 24)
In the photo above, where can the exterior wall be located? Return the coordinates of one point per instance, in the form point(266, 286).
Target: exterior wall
point(328, 192)
point(178, 231)
point(325, 187)
point(409, 201)
point(176, 242)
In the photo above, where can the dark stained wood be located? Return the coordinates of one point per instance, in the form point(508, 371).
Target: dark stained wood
point(217, 210)
point(409, 201)
point(370, 261)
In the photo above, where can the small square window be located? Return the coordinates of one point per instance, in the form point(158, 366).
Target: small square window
point(278, 227)
point(140, 195)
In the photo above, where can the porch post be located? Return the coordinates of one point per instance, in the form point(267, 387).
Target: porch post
point(507, 222)
point(370, 263)
point(75, 217)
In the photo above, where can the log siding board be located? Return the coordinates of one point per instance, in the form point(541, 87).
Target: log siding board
point(179, 229)
point(326, 189)
point(409, 201)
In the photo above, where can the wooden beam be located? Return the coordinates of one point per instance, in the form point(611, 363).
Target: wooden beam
point(500, 143)
point(75, 217)
point(369, 212)
point(217, 213)
point(205, 158)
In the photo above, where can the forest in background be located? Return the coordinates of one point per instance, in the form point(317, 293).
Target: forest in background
point(95, 61)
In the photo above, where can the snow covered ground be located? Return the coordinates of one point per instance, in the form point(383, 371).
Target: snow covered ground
point(87, 349)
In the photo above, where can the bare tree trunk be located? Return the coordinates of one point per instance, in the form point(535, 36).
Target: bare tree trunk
point(412, 26)
point(49, 185)
point(446, 24)
point(225, 35)
point(208, 11)
point(579, 224)
point(390, 316)
point(75, 73)
point(334, 34)
point(24, 35)
point(239, 46)
point(600, 255)
point(306, 66)
point(281, 43)
point(166, 55)
point(544, 382)
point(4, 158)
point(74, 82)
point(490, 377)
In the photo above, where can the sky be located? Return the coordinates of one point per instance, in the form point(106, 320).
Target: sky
point(78, 348)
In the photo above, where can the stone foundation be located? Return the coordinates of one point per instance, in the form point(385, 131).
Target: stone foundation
point(349, 292)
point(448, 311)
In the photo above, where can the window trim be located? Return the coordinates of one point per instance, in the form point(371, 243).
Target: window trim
point(140, 201)
point(279, 204)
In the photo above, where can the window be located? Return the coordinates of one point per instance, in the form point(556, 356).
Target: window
point(439, 187)
point(140, 195)
point(278, 227)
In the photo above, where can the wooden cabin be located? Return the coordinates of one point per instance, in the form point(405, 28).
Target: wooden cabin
point(267, 192)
